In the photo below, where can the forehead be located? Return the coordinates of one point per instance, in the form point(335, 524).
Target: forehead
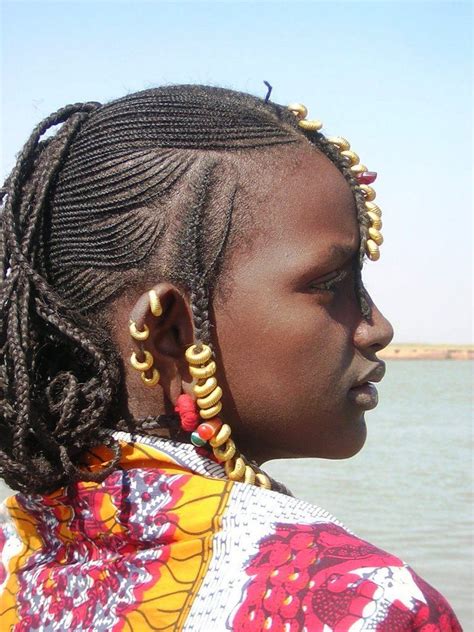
point(302, 206)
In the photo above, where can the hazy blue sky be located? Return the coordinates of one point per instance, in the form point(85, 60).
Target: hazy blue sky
point(395, 78)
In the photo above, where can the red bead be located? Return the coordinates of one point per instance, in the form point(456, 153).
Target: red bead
point(367, 177)
point(187, 411)
point(205, 453)
point(208, 429)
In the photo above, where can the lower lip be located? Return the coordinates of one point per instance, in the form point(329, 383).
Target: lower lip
point(365, 396)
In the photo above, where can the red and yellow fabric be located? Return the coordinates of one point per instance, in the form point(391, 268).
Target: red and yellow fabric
point(140, 542)
point(167, 543)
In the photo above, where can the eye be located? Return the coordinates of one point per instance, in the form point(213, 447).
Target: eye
point(330, 282)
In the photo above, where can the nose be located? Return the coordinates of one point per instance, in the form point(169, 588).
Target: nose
point(374, 333)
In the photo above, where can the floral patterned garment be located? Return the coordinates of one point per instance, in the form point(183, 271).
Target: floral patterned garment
point(167, 543)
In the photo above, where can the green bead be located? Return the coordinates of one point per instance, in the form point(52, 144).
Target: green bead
point(196, 440)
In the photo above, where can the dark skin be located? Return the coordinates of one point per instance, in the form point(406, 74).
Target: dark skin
point(294, 353)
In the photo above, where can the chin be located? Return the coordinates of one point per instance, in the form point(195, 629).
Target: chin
point(355, 440)
point(347, 441)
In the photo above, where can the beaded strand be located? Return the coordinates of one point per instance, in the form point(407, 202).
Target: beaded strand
point(363, 176)
point(213, 431)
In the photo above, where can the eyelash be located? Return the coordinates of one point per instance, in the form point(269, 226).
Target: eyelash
point(331, 284)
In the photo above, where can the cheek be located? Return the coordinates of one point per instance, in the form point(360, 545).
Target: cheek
point(284, 359)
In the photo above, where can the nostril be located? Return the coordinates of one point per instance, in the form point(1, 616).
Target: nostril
point(373, 334)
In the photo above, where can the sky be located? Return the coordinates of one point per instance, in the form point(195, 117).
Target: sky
point(395, 78)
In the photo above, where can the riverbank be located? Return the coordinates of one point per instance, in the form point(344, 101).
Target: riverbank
point(417, 351)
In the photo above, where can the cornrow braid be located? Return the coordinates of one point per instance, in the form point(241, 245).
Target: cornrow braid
point(334, 155)
point(99, 206)
point(194, 264)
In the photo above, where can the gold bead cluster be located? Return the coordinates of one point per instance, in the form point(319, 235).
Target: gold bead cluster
point(145, 364)
point(208, 399)
point(363, 176)
point(203, 369)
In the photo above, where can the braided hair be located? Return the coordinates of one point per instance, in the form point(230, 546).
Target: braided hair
point(120, 191)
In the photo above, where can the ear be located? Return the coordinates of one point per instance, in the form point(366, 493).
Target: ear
point(170, 334)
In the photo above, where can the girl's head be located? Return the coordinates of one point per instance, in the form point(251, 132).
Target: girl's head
point(250, 230)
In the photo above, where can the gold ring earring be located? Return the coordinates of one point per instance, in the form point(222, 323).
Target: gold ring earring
point(145, 365)
point(136, 333)
point(153, 380)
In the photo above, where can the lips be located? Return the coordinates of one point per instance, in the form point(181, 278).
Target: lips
point(364, 393)
point(374, 375)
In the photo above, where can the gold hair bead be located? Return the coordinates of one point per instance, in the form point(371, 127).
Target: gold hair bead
point(310, 126)
point(368, 192)
point(340, 142)
point(225, 451)
point(203, 372)
point(262, 480)
point(153, 380)
point(201, 390)
point(136, 333)
point(376, 236)
point(249, 476)
point(235, 468)
point(362, 177)
point(195, 357)
point(373, 208)
point(221, 437)
point(145, 365)
point(299, 110)
point(375, 219)
point(359, 168)
point(372, 250)
point(211, 399)
point(351, 156)
point(209, 413)
point(155, 305)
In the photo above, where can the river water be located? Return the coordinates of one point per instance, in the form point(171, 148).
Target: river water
point(410, 490)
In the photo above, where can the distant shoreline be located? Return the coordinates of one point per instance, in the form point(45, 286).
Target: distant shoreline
point(418, 351)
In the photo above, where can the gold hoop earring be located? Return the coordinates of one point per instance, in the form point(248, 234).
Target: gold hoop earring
point(153, 380)
point(145, 365)
point(136, 333)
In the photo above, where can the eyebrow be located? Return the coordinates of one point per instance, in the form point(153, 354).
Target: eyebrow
point(342, 252)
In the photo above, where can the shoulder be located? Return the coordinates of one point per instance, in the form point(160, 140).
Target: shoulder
point(313, 572)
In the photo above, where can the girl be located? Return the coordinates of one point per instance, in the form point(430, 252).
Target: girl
point(182, 301)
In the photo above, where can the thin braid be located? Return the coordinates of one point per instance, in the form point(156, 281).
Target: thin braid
point(199, 291)
point(20, 387)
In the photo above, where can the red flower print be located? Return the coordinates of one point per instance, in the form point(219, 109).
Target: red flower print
point(306, 577)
